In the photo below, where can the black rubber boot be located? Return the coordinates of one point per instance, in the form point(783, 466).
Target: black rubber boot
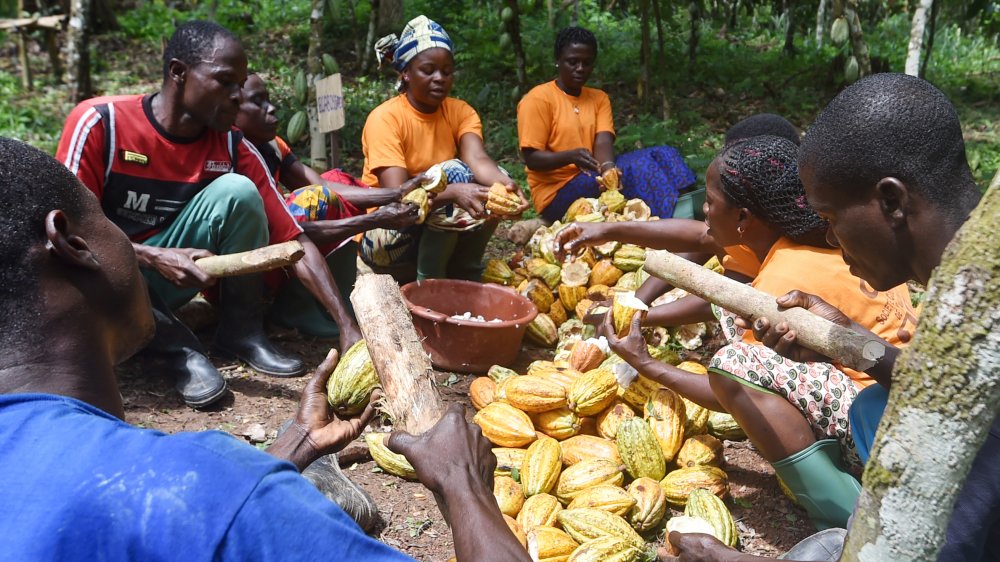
point(179, 354)
point(241, 329)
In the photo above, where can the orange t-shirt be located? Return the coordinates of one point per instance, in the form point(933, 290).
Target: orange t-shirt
point(396, 134)
point(741, 259)
point(550, 119)
point(822, 272)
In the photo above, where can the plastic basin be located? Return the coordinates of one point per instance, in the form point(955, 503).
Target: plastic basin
point(465, 345)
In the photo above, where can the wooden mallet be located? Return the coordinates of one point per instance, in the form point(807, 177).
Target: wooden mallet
point(253, 261)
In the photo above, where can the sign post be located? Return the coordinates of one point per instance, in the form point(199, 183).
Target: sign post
point(330, 107)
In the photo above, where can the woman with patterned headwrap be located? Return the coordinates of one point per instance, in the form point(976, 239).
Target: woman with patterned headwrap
point(413, 131)
point(566, 134)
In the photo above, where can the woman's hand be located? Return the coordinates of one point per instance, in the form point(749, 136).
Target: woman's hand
point(469, 196)
point(583, 159)
point(632, 348)
point(578, 236)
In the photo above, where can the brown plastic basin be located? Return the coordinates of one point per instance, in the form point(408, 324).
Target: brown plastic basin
point(463, 345)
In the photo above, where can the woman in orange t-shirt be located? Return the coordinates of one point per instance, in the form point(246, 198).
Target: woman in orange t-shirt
point(796, 414)
point(413, 131)
point(566, 135)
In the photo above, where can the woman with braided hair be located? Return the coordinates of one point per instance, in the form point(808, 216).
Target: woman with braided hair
point(796, 414)
point(566, 134)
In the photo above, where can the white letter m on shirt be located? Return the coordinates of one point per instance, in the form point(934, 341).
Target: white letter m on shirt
point(136, 202)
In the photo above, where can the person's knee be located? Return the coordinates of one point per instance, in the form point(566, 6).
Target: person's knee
point(237, 192)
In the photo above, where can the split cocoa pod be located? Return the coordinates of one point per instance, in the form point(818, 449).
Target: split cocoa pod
point(625, 306)
point(501, 201)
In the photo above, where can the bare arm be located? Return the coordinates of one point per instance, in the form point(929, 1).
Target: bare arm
point(314, 273)
point(456, 462)
point(604, 150)
point(674, 235)
point(297, 174)
point(393, 216)
point(175, 264)
point(546, 161)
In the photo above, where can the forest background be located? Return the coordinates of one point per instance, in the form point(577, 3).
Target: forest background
point(678, 73)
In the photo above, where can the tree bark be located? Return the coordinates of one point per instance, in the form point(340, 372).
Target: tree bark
point(404, 368)
point(314, 71)
point(789, 48)
point(514, 29)
point(78, 51)
point(944, 398)
point(930, 39)
point(695, 11)
point(658, 18)
point(642, 84)
point(858, 46)
point(367, 56)
point(252, 261)
point(818, 334)
point(916, 45)
point(821, 23)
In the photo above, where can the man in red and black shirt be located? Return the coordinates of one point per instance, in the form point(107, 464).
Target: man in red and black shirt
point(172, 172)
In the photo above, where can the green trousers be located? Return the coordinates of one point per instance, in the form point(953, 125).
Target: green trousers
point(295, 307)
point(453, 255)
point(224, 218)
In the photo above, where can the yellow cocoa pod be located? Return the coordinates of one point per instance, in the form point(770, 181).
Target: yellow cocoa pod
point(515, 528)
point(565, 377)
point(612, 417)
point(505, 425)
point(692, 367)
point(650, 504)
point(540, 510)
point(499, 373)
point(543, 331)
point(497, 271)
point(509, 495)
point(639, 450)
point(582, 206)
point(548, 544)
point(583, 307)
point(606, 549)
point(587, 524)
point(593, 392)
point(696, 420)
point(482, 392)
point(392, 463)
point(570, 296)
point(435, 179)
point(558, 313)
point(420, 199)
point(586, 355)
point(612, 199)
point(703, 503)
point(587, 474)
point(541, 467)
point(542, 368)
point(598, 293)
point(678, 484)
point(508, 460)
point(550, 273)
point(584, 447)
point(700, 450)
point(688, 524)
point(352, 382)
point(605, 273)
point(539, 293)
point(724, 426)
point(559, 424)
point(629, 257)
point(637, 393)
point(636, 210)
point(576, 274)
point(531, 393)
point(609, 498)
point(624, 308)
point(665, 414)
point(500, 201)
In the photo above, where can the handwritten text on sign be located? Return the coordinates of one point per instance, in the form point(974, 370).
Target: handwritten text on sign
point(330, 103)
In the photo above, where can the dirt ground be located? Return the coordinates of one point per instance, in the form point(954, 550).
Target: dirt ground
point(257, 405)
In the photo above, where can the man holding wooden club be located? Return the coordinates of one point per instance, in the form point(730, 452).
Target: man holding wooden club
point(172, 172)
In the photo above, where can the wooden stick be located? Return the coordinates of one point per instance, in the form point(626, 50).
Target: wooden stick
point(254, 261)
point(841, 344)
point(410, 393)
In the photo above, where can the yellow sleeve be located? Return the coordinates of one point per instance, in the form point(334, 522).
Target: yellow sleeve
point(382, 140)
point(534, 122)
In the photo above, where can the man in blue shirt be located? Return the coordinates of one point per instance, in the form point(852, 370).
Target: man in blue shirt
point(78, 483)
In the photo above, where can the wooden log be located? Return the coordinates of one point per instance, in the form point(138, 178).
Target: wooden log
point(410, 395)
point(254, 261)
point(843, 345)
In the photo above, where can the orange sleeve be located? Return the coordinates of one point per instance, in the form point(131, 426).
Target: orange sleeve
point(605, 119)
point(534, 122)
point(468, 122)
point(381, 140)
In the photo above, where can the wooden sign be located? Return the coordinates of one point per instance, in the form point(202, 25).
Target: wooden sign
point(330, 103)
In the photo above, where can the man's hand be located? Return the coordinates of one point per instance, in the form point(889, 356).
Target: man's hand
point(469, 196)
point(450, 452)
point(396, 216)
point(696, 547)
point(632, 348)
point(781, 338)
point(578, 236)
point(316, 430)
point(177, 265)
point(410, 184)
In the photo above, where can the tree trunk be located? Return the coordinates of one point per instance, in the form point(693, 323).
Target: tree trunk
point(944, 398)
point(367, 56)
point(916, 45)
point(514, 30)
point(858, 46)
point(930, 39)
point(659, 29)
point(642, 84)
point(78, 51)
point(820, 23)
point(314, 70)
point(695, 11)
point(789, 48)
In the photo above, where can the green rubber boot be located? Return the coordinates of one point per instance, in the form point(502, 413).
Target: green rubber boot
point(821, 485)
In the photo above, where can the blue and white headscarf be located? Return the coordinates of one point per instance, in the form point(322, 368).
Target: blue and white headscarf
point(419, 35)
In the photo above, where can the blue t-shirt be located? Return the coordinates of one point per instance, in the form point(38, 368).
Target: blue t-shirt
point(78, 484)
